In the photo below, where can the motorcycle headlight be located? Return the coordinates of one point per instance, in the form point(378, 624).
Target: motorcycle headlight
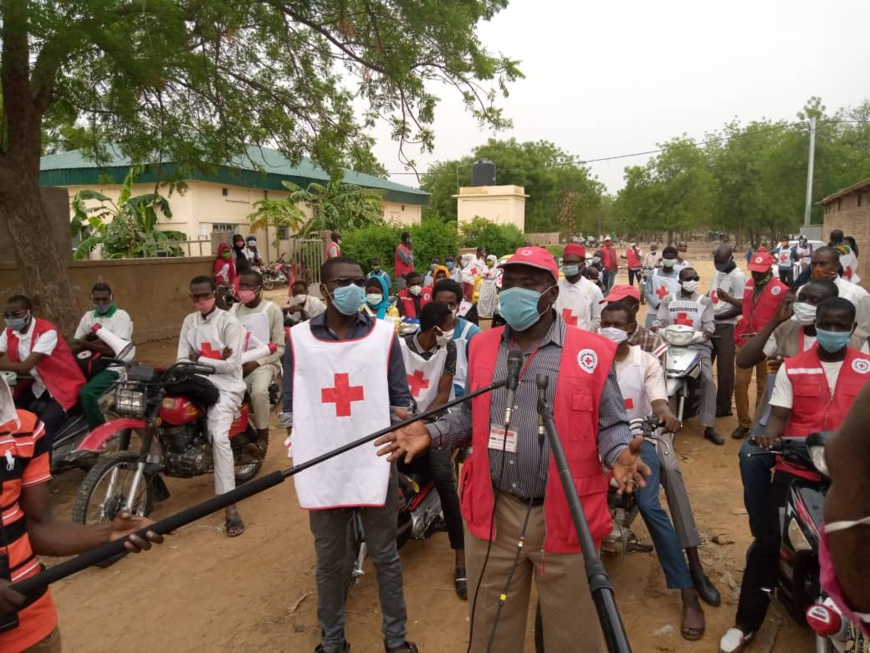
point(796, 536)
point(817, 455)
point(680, 337)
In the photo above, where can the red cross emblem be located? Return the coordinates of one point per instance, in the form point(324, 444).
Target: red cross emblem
point(416, 382)
point(848, 272)
point(206, 351)
point(662, 292)
point(714, 296)
point(569, 317)
point(683, 319)
point(629, 403)
point(342, 395)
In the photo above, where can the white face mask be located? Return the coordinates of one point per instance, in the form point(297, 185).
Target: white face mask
point(669, 262)
point(690, 286)
point(444, 337)
point(298, 299)
point(614, 334)
point(415, 290)
point(804, 314)
point(374, 298)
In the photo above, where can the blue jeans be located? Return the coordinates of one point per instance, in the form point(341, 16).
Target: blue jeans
point(659, 525)
point(756, 472)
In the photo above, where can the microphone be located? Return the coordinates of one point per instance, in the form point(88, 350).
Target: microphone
point(514, 365)
point(542, 381)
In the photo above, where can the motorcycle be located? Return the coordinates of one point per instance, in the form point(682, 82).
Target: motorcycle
point(226, 296)
point(683, 369)
point(274, 274)
point(174, 443)
point(419, 514)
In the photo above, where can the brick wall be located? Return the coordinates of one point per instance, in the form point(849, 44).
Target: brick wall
point(851, 214)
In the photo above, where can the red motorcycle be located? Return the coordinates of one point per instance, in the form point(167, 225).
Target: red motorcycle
point(174, 441)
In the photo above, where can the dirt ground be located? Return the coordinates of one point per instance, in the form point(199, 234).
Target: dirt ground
point(204, 592)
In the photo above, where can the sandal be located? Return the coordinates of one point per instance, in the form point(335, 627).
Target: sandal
point(461, 583)
point(234, 526)
point(691, 633)
point(734, 641)
point(255, 449)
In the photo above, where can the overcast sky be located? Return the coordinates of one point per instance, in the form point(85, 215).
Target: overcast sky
point(611, 78)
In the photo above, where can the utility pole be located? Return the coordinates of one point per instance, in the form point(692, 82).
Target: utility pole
point(810, 162)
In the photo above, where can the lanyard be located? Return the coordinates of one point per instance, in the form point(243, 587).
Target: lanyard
point(528, 360)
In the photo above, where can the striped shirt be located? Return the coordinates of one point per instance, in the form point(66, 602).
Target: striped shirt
point(649, 342)
point(525, 472)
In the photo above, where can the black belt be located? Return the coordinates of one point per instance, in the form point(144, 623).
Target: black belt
point(534, 502)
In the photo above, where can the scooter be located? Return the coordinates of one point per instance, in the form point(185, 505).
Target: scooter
point(683, 369)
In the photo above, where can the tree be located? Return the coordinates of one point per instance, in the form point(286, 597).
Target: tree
point(196, 82)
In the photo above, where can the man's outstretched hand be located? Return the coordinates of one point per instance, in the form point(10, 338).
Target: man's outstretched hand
point(126, 525)
point(407, 442)
point(629, 471)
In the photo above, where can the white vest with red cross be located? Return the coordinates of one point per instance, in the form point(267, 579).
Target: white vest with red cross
point(686, 312)
point(783, 257)
point(663, 286)
point(423, 375)
point(631, 377)
point(340, 393)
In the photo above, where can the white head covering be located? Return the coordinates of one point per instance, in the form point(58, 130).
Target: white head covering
point(493, 258)
point(8, 413)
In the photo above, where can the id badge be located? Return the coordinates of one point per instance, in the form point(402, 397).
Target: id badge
point(497, 441)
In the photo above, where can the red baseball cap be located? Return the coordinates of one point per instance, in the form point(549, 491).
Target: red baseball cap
point(621, 292)
point(761, 262)
point(574, 248)
point(534, 257)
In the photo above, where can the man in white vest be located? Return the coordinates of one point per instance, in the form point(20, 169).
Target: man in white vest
point(660, 283)
point(332, 396)
point(264, 347)
point(580, 301)
point(430, 363)
point(688, 308)
point(214, 337)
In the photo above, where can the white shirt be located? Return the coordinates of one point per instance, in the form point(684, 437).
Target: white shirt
point(732, 283)
point(117, 321)
point(313, 306)
point(653, 375)
point(783, 391)
point(215, 332)
point(580, 303)
point(861, 299)
point(44, 344)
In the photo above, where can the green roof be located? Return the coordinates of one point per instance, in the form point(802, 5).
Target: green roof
point(259, 167)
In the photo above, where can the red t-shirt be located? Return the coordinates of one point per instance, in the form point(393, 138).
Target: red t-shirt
point(27, 450)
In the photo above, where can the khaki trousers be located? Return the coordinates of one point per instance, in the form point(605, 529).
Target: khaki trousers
point(50, 644)
point(742, 379)
point(569, 617)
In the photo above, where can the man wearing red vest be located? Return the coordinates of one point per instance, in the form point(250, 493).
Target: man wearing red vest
point(510, 487)
point(413, 298)
point(814, 391)
point(34, 347)
point(404, 262)
point(761, 298)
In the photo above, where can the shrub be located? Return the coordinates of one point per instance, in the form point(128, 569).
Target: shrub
point(499, 239)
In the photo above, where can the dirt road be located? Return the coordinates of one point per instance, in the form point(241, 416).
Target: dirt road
point(204, 592)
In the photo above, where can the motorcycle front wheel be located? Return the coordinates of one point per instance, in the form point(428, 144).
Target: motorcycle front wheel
point(106, 490)
point(268, 282)
point(245, 467)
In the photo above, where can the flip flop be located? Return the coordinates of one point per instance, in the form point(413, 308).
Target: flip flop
point(734, 641)
point(691, 634)
point(234, 526)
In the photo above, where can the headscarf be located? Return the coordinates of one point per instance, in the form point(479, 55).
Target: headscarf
point(379, 309)
point(221, 262)
point(440, 268)
point(493, 258)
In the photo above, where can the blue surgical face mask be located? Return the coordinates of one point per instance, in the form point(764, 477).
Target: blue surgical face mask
point(832, 341)
point(570, 270)
point(348, 299)
point(102, 309)
point(18, 323)
point(449, 265)
point(519, 307)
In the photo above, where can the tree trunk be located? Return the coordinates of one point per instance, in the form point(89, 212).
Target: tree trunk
point(42, 265)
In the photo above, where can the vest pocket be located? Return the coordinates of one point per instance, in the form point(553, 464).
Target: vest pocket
point(582, 411)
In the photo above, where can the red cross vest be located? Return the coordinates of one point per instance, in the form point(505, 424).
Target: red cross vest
point(340, 391)
point(423, 375)
point(783, 257)
point(663, 286)
point(686, 312)
point(576, 402)
point(59, 372)
point(407, 299)
point(758, 311)
point(400, 268)
point(631, 376)
point(813, 408)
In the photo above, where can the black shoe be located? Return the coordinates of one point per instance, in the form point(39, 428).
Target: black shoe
point(726, 413)
point(320, 649)
point(407, 647)
point(461, 583)
point(714, 437)
point(708, 593)
point(740, 432)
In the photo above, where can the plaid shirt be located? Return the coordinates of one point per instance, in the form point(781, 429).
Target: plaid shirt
point(649, 342)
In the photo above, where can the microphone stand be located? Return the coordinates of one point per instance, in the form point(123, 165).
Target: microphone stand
point(168, 524)
point(599, 582)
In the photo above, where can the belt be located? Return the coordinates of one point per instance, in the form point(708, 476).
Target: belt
point(537, 501)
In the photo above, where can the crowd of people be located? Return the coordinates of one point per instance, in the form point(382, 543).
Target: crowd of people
point(806, 338)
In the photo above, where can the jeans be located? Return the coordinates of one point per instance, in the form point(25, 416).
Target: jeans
point(441, 463)
point(786, 275)
point(756, 471)
point(330, 530)
point(632, 274)
point(664, 537)
point(47, 409)
point(89, 397)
